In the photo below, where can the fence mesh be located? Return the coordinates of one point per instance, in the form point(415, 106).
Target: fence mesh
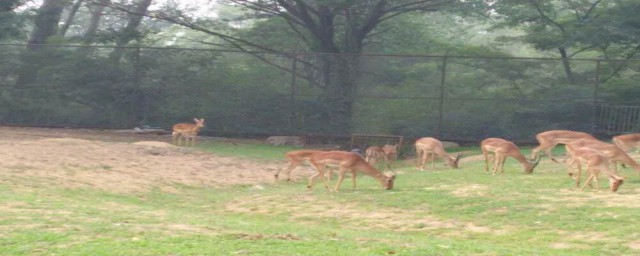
point(261, 94)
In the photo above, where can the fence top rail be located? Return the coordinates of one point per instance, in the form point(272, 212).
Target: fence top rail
point(314, 53)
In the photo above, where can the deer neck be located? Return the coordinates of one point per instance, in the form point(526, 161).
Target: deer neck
point(367, 169)
point(522, 160)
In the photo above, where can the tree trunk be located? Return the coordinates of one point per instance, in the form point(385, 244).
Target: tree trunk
point(567, 65)
point(45, 25)
point(46, 22)
point(340, 80)
point(97, 10)
point(70, 17)
point(130, 32)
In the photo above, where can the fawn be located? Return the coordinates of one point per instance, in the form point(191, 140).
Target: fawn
point(188, 131)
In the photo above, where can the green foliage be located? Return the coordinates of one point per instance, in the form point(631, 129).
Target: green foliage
point(597, 26)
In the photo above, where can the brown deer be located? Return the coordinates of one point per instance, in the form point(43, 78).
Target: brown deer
point(347, 162)
point(387, 153)
point(430, 148)
point(549, 139)
point(188, 131)
point(613, 152)
point(502, 149)
point(296, 158)
point(596, 161)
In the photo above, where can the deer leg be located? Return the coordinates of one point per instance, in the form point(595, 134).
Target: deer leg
point(319, 172)
point(534, 152)
point(548, 153)
point(311, 180)
point(503, 159)
point(353, 177)
point(340, 178)
point(289, 167)
point(496, 163)
point(589, 179)
point(574, 163)
point(586, 182)
point(176, 139)
point(578, 176)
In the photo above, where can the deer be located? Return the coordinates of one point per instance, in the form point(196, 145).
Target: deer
point(502, 149)
point(549, 139)
point(596, 161)
point(613, 152)
point(347, 162)
point(188, 131)
point(388, 153)
point(294, 159)
point(431, 147)
point(627, 142)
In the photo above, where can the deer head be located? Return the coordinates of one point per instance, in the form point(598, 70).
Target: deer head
point(389, 182)
point(453, 160)
point(533, 163)
point(199, 122)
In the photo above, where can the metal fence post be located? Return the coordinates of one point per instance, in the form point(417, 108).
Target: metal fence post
point(441, 105)
point(596, 85)
point(292, 96)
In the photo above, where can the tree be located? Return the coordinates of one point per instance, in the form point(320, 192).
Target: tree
point(130, 31)
point(70, 17)
point(46, 22)
point(336, 30)
point(572, 27)
point(10, 23)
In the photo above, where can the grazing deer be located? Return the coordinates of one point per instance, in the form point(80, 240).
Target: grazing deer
point(188, 131)
point(294, 159)
point(549, 139)
point(502, 149)
point(596, 161)
point(387, 153)
point(613, 152)
point(430, 148)
point(346, 161)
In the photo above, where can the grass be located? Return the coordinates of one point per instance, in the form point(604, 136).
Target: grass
point(436, 212)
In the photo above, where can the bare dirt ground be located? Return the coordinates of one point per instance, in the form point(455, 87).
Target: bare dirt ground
point(117, 161)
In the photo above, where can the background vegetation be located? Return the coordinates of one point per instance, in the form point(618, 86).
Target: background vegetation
point(459, 70)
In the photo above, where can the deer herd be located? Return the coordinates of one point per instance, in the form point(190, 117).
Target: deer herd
point(581, 149)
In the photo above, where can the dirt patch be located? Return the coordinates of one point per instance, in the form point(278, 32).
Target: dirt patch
point(635, 245)
point(603, 197)
point(117, 162)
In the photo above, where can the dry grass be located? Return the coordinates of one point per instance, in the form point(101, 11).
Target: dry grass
point(116, 162)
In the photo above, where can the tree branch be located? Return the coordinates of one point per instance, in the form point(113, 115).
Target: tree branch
point(545, 17)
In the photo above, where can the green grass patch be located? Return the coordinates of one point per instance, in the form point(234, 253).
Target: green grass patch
point(464, 211)
point(247, 150)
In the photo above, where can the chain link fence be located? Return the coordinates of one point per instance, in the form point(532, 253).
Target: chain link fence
point(255, 94)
